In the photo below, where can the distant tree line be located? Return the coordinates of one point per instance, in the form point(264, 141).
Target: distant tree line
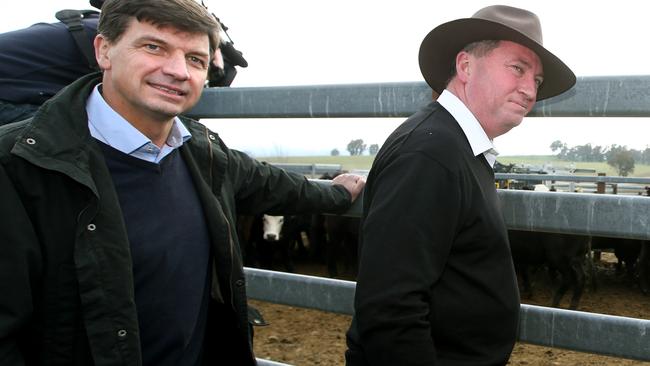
point(617, 156)
point(357, 147)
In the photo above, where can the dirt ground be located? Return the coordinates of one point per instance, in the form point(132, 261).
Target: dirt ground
point(309, 337)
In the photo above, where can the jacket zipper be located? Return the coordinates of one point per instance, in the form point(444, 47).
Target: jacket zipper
point(230, 241)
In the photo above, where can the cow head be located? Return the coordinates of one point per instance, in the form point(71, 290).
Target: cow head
point(272, 227)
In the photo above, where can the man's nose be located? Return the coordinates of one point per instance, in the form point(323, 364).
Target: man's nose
point(528, 87)
point(176, 66)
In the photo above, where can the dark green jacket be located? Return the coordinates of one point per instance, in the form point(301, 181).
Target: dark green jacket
point(66, 281)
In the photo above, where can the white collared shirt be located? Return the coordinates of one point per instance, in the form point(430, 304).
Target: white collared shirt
point(478, 139)
point(107, 126)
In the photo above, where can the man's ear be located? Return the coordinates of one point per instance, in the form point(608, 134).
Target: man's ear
point(463, 63)
point(101, 52)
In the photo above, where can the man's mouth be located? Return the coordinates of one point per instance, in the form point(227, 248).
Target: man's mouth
point(168, 90)
point(524, 106)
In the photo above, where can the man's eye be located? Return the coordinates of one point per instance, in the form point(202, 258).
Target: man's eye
point(197, 61)
point(152, 47)
point(518, 68)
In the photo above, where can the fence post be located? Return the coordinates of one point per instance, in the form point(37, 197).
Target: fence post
point(600, 186)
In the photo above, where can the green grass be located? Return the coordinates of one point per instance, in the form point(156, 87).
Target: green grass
point(364, 162)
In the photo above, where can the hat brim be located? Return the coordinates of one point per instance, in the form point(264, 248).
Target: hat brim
point(440, 47)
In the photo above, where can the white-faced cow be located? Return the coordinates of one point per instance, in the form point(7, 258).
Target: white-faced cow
point(272, 227)
point(273, 240)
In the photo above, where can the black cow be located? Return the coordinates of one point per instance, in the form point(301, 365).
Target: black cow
point(337, 237)
point(560, 253)
point(342, 243)
point(632, 255)
point(644, 267)
point(626, 250)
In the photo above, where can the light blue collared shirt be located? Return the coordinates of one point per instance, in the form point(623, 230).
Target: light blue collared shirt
point(109, 127)
point(478, 139)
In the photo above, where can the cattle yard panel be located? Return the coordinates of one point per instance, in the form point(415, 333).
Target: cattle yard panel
point(580, 331)
point(573, 178)
point(313, 170)
point(562, 212)
point(584, 183)
point(587, 214)
point(263, 362)
point(600, 96)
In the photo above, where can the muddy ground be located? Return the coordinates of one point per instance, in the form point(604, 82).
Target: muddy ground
point(308, 337)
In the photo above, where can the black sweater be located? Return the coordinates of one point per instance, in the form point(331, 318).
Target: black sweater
point(436, 282)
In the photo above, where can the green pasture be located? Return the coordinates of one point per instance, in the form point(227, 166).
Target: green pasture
point(364, 162)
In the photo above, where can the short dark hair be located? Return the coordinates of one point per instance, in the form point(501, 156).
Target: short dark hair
point(185, 15)
point(478, 49)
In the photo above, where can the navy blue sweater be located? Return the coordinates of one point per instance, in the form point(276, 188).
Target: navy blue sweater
point(171, 255)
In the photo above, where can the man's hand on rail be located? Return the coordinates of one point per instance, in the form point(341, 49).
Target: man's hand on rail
point(352, 182)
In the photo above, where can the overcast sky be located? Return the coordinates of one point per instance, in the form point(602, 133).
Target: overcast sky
point(359, 41)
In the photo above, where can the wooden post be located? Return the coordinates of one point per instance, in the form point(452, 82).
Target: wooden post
point(600, 186)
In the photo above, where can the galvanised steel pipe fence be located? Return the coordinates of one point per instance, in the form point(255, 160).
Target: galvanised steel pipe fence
point(586, 214)
point(580, 331)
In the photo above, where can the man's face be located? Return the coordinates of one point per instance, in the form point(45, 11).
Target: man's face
point(153, 73)
point(501, 87)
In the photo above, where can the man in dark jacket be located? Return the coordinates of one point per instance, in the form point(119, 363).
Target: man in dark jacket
point(436, 283)
point(117, 223)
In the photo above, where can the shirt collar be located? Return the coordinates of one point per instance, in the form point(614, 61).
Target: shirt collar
point(109, 127)
point(478, 139)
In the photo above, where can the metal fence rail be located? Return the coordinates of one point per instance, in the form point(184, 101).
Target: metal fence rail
point(573, 178)
point(574, 330)
point(561, 212)
point(310, 169)
point(603, 96)
point(263, 362)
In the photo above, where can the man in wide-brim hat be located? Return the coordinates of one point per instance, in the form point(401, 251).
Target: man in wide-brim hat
point(436, 282)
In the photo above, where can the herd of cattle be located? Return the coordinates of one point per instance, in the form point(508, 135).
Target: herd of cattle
point(273, 242)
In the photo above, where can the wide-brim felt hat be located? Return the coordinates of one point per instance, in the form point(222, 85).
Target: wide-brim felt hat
point(498, 22)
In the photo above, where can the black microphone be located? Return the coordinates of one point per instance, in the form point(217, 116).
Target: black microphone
point(233, 55)
point(97, 3)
